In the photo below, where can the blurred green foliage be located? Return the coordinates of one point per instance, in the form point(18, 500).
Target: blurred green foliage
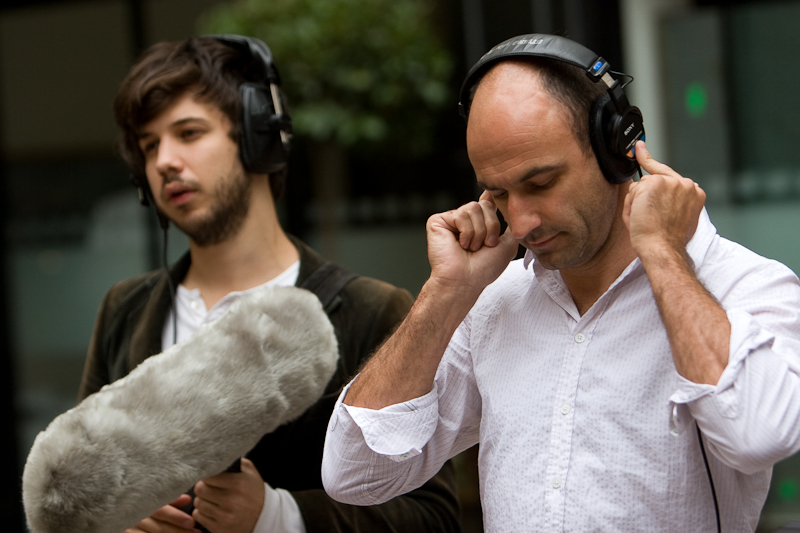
point(360, 73)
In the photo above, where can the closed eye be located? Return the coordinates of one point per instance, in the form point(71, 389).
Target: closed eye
point(190, 134)
point(148, 146)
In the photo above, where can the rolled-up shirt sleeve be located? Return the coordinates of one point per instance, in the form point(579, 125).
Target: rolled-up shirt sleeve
point(398, 431)
point(750, 417)
point(372, 456)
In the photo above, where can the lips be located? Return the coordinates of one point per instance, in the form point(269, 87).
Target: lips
point(540, 243)
point(177, 192)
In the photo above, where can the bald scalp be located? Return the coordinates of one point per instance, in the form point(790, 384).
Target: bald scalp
point(567, 86)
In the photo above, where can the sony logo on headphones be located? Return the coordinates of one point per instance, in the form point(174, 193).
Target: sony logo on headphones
point(628, 129)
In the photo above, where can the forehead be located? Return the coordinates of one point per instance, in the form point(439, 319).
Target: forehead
point(515, 122)
point(186, 108)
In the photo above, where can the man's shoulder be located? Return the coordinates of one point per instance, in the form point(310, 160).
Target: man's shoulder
point(732, 259)
point(734, 273)
point(371, 297)
point(361, 291)
point(363, 286)
point(133, 289)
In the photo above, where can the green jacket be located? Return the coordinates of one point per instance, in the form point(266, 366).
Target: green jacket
point(129, 329)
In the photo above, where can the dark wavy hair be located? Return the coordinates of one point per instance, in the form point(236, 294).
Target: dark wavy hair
point(165, 72)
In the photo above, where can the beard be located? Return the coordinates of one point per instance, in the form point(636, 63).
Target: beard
point(226, 215)
point(582, 235)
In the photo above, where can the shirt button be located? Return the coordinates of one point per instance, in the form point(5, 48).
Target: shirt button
point(565, 409)
point(580, 337)
point(556, 483)
point(195, 305)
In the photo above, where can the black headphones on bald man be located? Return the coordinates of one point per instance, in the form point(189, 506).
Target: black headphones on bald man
point(614, 124)
point(266, 127)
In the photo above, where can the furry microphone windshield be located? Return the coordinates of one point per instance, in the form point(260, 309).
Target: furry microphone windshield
point(181, 416)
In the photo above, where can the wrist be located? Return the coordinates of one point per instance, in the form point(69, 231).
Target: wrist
point(657, 252)
point(448, 302)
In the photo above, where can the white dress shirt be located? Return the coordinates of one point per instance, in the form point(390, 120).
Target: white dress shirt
point(279, 513)
point(583, 422)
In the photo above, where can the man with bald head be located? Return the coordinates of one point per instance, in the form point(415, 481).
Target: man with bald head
point(634, 372)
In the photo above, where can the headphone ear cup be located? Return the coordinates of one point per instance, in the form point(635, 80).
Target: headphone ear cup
point(260, 145)
point(603, 123)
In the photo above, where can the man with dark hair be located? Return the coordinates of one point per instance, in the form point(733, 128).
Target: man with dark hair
point(596, 372)
point(202, 156)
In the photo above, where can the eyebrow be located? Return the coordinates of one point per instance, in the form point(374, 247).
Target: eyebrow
point(533, 172)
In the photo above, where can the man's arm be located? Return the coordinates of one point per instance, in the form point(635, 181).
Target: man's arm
point(365, 465)
point(740, 363)
point(466, 253)
point(661, 212)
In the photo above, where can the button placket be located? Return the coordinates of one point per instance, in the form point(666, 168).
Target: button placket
point(562, 425)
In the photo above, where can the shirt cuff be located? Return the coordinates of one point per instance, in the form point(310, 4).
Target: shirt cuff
point(280, 513)
point(398, 431)
point(746, 337)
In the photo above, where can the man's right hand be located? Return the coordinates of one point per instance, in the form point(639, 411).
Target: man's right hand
point(168, 519)
point(465, 247)
point(466, 252)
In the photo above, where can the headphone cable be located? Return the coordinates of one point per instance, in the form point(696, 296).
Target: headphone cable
point(171, 286)
point(163, 221)
point(708, 471)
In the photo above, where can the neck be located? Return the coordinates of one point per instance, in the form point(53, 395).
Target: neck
point(589, 281)
point(258, 252)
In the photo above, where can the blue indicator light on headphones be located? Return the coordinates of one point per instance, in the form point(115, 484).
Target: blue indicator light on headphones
point(597, 66)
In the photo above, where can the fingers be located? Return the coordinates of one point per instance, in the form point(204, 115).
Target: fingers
point(182, 501)
point(167, 519)
point(475, 225)
point(207, 512)
point(487, 197)
point(650, 165)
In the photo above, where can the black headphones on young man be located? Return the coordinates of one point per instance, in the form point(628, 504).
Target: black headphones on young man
point(266, 126)
point(266, 130)
point(614, 124)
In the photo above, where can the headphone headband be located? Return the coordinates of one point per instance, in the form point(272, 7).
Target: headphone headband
point(614, 125)
point(257, 49)
point(536, 45)
point(266, 126)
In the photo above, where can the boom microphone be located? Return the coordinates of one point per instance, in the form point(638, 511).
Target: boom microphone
point(181, 416)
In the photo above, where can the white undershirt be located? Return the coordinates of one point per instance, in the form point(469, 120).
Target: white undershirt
point(280, 513)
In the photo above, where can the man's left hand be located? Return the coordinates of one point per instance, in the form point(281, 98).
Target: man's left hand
point(230, 502)
point(662, 209)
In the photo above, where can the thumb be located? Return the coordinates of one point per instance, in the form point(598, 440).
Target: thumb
point(508, 243)
point(181, 501)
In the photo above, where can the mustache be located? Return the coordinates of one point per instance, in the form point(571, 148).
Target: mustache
point(539, 234)
point(175, 184)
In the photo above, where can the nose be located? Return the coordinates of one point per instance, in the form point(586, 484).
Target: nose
point(168, 160)
point(521, 216)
